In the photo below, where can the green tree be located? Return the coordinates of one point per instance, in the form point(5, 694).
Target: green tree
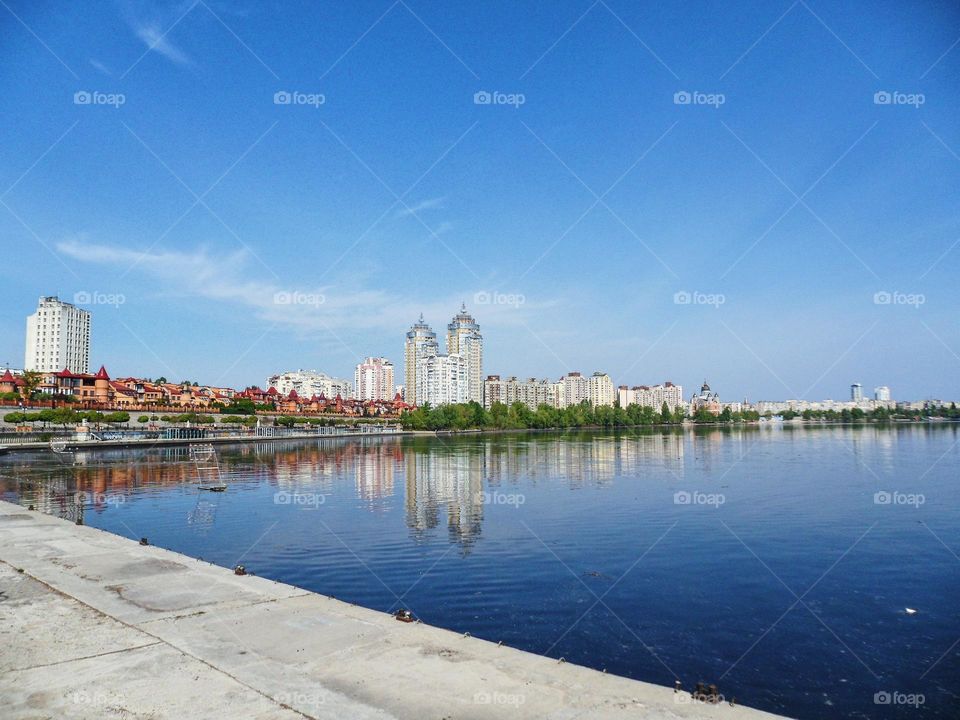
point(31, 381)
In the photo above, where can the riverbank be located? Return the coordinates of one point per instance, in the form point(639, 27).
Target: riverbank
point(95, 625)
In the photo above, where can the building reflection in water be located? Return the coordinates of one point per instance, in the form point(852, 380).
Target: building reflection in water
point(444, 481)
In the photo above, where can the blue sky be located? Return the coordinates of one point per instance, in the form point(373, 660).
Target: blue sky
point(812, 226)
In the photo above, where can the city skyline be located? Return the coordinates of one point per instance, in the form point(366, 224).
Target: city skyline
point(759, 195)
point(374, 376)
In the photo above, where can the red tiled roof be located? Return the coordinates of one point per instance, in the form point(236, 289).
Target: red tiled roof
point(123, 389)
point(102, 374)
point(7, 376)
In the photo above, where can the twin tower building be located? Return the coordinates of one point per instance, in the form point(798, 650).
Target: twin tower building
point(437, 378)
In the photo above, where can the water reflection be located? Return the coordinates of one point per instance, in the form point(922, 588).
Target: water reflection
point(418, 513)
point(443, 480)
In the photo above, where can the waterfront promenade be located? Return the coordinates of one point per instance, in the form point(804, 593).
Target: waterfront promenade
point(93, 625)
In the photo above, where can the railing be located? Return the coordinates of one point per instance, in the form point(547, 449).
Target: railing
point(205, 433)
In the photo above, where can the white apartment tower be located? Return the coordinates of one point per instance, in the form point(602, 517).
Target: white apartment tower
point(421, 341)
point(58, 337)
point(464, 338)
point(600, 389)
point(373, 379)
point(441, 379)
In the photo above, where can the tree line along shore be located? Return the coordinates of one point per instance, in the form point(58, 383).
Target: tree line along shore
point(473, 416)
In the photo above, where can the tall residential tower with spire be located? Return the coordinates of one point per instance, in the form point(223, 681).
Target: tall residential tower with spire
point(438, 379)
point(421, 341)
point(464, 338)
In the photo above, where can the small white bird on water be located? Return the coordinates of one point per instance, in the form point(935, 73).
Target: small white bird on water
point(910, 611)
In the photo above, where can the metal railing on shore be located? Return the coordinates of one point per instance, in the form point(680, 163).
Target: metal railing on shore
point(93, 437)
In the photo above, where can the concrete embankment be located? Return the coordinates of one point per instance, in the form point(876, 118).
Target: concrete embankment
point(93, 625)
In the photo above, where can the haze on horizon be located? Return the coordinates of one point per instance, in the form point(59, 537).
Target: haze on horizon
point(760, 194)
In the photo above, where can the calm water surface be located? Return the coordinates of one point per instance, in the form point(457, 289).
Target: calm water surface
point(760, 559)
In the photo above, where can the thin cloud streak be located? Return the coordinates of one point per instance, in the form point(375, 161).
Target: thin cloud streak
point(301, 307)
point(429, 204)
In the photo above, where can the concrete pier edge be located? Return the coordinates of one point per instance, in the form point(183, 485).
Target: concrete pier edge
point(95, 625)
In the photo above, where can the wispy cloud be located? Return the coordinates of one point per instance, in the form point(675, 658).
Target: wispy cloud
point(154, 38)
point(233, 280)
point(428, 204)
point(96, 64)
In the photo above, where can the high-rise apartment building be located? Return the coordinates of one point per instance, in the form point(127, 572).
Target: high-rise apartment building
point(856, 392)
point(651, 396)
point(421, 341)
point(373, 379)
point(58, 337)
point(308, 383)
point(600, 389)
point(881, 394)
point(531, 392)
point(441, 379)
point(464, 338)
